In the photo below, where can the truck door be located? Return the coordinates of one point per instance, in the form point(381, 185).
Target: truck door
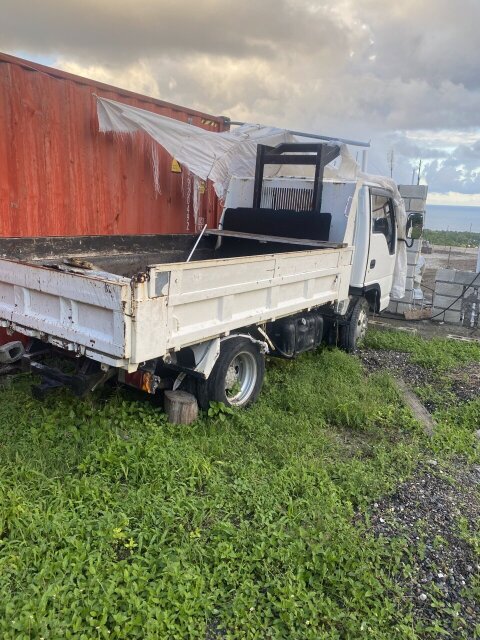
point(383, 243)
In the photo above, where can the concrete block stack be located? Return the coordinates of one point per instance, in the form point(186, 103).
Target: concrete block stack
point(455, 300)
point(415, 198)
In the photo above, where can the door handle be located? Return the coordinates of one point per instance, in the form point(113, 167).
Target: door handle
point(372, 263)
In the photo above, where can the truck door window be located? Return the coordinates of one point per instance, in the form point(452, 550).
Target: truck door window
point(383, 219)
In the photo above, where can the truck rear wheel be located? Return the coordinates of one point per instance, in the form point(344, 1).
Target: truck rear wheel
point(237, 377)
point(356, 328)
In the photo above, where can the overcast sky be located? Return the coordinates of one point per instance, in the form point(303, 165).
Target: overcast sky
point(405, 74)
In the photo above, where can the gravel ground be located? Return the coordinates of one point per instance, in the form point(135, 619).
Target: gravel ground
point(441, 569)
point(463, 382)
point(439, 566)
point(398, 363)
point(466, 381)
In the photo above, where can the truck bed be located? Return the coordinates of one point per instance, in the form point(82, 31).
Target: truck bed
point(122, 255)
point(140, 299)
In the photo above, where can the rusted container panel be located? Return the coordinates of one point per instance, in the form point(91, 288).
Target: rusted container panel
point(60, 176)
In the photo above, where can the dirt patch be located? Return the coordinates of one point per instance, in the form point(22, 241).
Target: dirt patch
point(397, 363)
point(465, 382)
point(461, 384)
point(434, 512)
point(462, 258)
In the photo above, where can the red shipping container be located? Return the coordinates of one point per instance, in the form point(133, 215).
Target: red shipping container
point(59, 176)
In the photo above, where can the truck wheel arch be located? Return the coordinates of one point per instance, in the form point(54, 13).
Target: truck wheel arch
point(355, 326)
point(241, 363)
point(371, 293)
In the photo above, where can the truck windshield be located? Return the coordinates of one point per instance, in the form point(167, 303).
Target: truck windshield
point(383, 219)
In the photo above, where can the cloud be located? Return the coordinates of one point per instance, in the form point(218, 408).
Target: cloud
point(122, 30)
point(404, 74)
point(431, 40)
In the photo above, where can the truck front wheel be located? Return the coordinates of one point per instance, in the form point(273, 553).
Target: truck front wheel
point(237, 377)
point(356, 327)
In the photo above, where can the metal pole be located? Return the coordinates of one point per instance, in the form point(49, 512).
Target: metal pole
point(355, 143)
point(315, 136)
point(196, 243)
point(364, 160)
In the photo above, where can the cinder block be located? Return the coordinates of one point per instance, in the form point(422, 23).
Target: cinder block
point(415, 248)
point(445, 275)
point(404, 306)
point(408, 297)
point(446, 316)
point(412, 261)
point(452, 316)
point(417, 205)
point(413, 190)
point(466, 277)
point(454, 275)
point(453, 289)
point(442, 302)
point(11, 352)
point(413, 256)
point(448, 289)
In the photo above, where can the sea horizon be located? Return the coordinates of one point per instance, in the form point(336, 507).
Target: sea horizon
point(443, 217)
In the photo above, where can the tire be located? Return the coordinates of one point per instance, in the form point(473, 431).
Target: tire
point(237, 377)
point(356, 327)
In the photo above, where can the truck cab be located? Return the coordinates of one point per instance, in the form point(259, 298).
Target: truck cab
point(375, 242)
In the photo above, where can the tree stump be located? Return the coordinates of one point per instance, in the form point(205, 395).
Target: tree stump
point(181, 407)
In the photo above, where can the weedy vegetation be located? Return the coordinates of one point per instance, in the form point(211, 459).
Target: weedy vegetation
point(436, 355)
point(452, 238)
point(115, 524)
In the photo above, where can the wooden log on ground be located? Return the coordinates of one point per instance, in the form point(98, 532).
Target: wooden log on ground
point(419, 411)
point(181, 407)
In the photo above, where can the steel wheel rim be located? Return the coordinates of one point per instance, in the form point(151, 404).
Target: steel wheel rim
point(241, 378)
point(361, 327)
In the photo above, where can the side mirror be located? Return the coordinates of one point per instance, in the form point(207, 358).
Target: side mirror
point(414, 226)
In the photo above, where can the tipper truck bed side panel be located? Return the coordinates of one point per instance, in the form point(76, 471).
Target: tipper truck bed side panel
point(207, 299)
point(124, 322)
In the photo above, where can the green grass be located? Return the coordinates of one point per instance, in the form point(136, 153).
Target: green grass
point(114, 524)
point(456, 422)
point(436, 355)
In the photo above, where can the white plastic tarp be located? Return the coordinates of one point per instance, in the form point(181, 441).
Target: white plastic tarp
point(207, 154)
point(219, 156)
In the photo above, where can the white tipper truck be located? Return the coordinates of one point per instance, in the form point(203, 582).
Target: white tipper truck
point(295, 262)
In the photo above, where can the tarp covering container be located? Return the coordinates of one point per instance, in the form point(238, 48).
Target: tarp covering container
point(59, 176)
